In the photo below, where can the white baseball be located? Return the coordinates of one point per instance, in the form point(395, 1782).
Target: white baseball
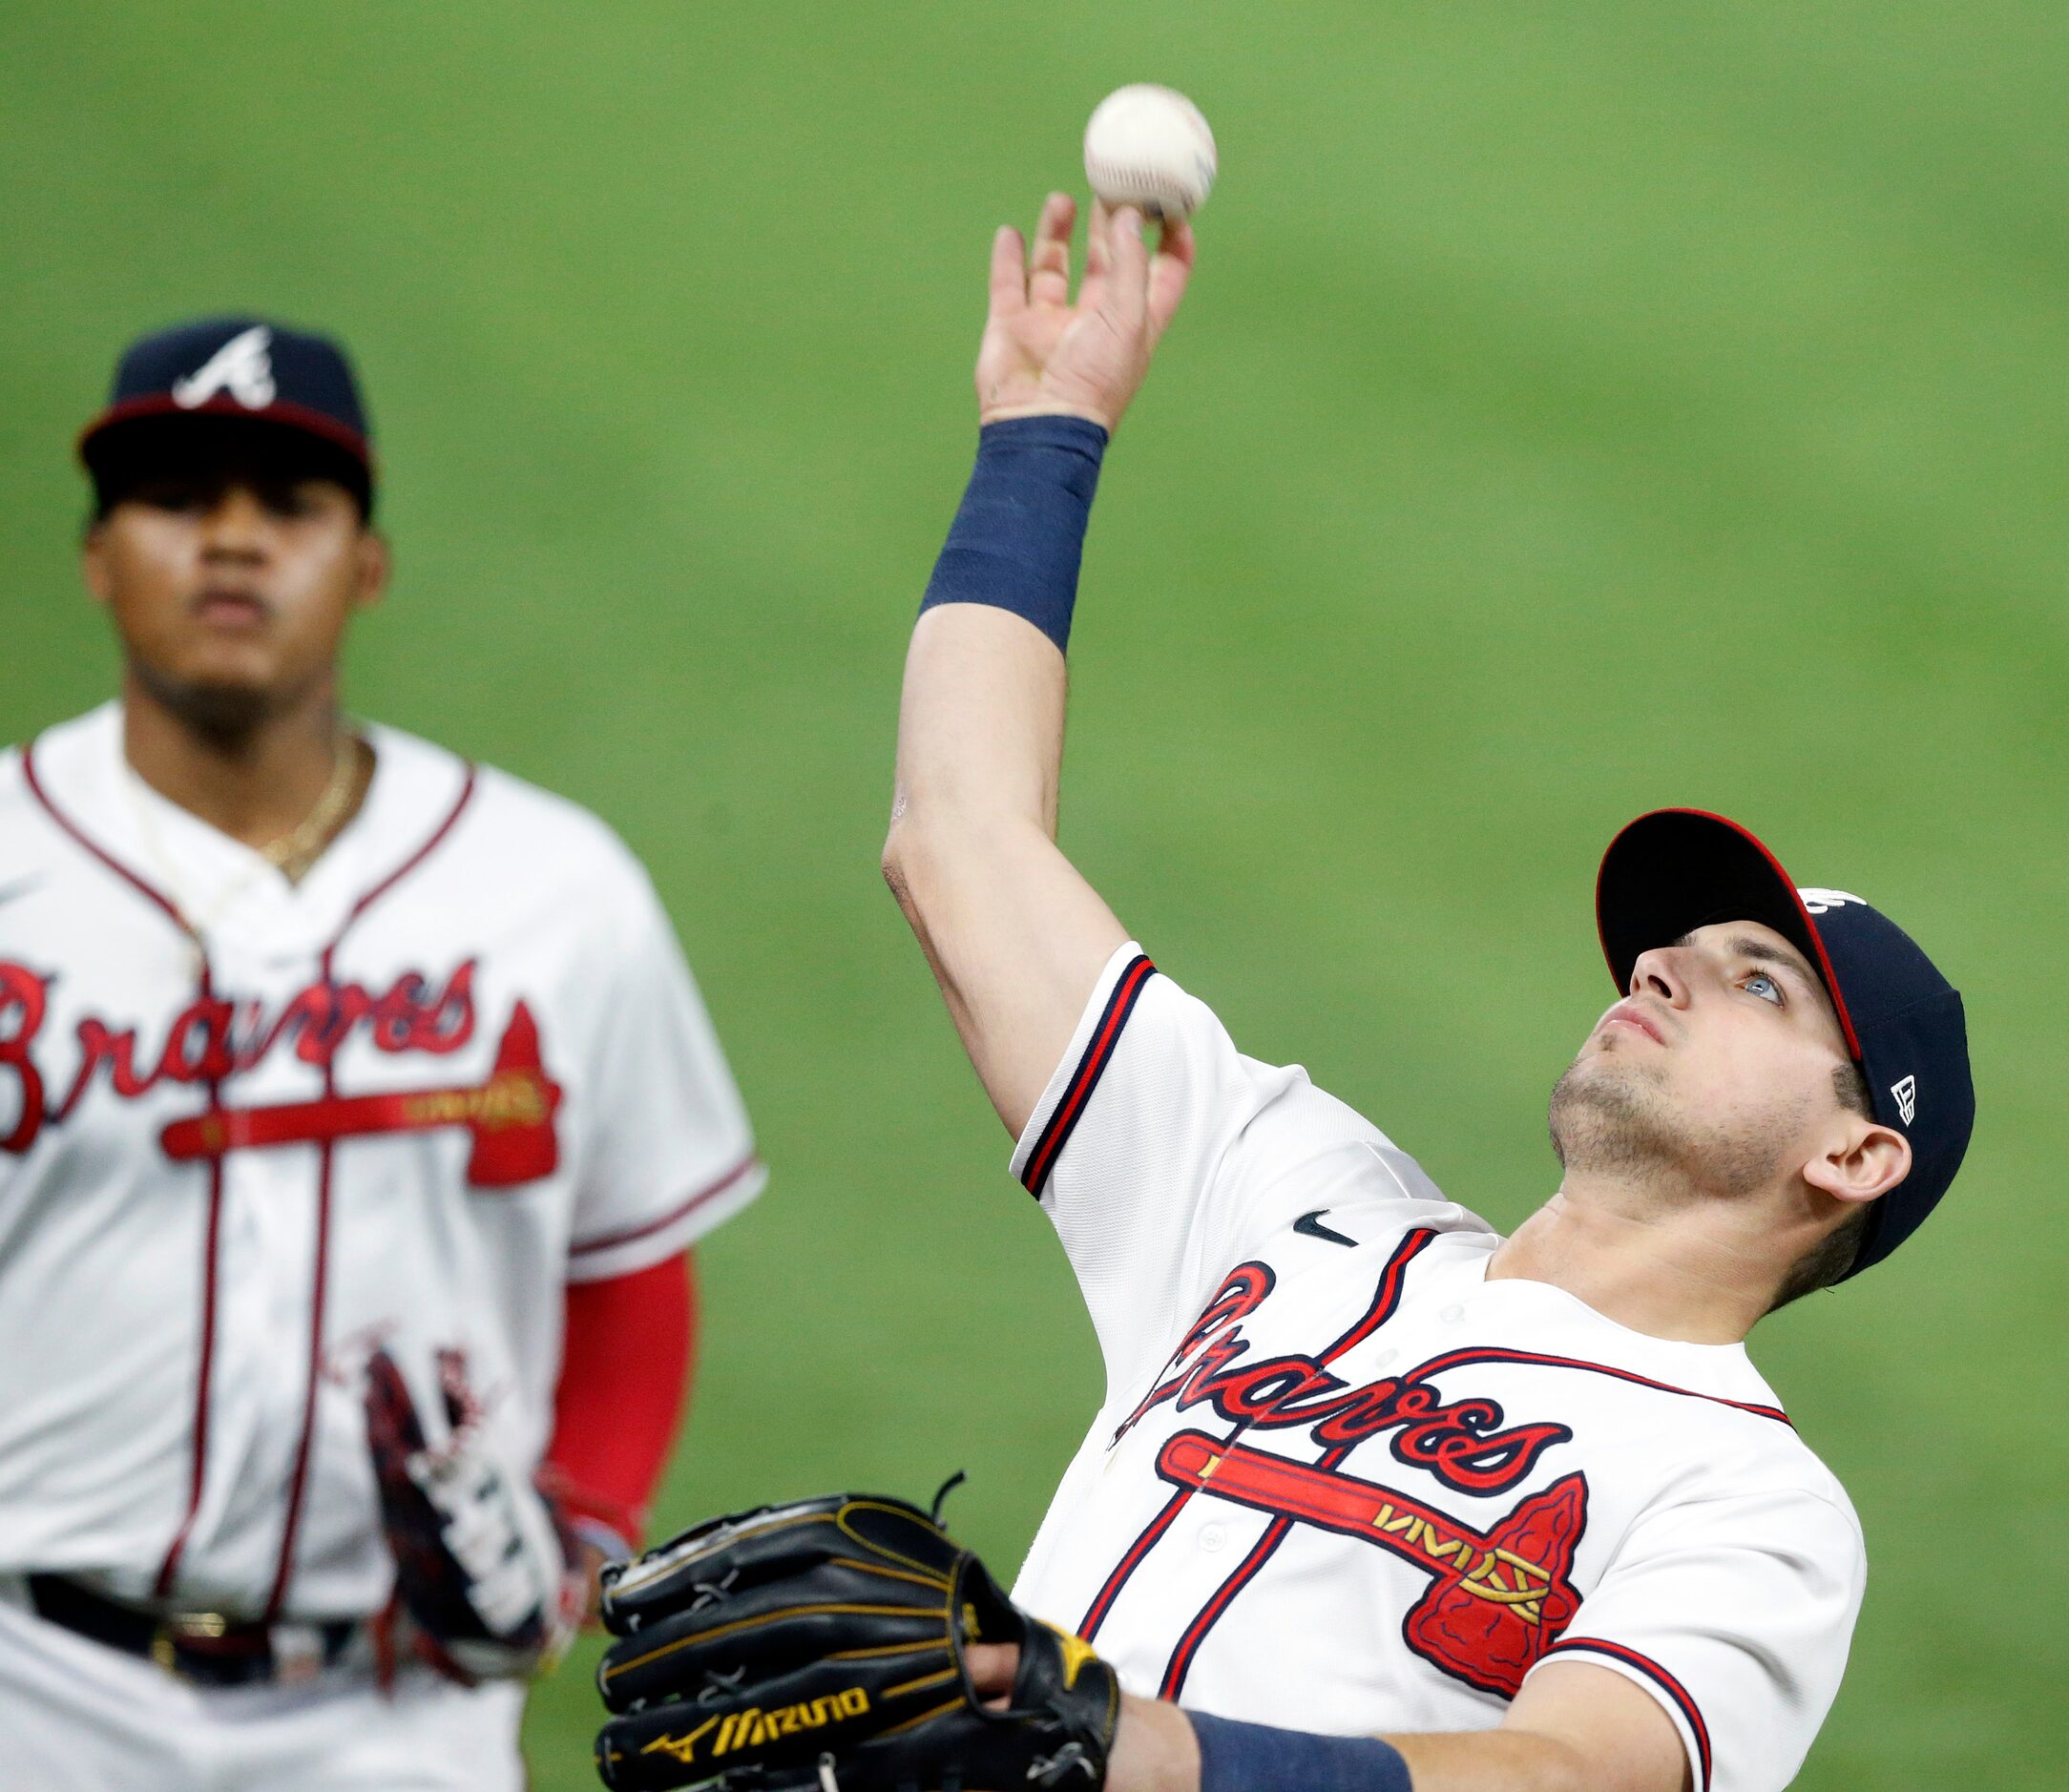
point(1148, 146)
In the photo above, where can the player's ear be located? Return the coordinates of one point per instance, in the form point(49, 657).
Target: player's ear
point(93, 570)
point(376, 561)
point(1860, 1161)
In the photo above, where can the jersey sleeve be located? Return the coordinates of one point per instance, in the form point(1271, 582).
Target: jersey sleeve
point(668, 1153)
point(1735, 1613)
point(1159, 1152)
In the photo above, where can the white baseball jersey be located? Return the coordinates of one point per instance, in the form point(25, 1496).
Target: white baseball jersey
point(1344, 1481)
point(406, 1101)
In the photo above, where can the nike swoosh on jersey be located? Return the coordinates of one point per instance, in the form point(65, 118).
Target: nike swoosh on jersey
point(1311, 1225)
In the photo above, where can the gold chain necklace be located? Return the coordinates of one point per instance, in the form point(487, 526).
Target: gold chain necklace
point(295, 851)
point(291, 855)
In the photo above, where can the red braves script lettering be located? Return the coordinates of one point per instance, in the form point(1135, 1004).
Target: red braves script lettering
point(212, 1038)
point(1463, 1443)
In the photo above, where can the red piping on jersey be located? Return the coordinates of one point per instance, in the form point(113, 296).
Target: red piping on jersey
point(94, 850)
point(1436, 1365)
point(1661, 1678)
point(711, 1190)
point(211, 1230)
point(203, 1371)
point(1188, 1646)
point(319, 1285)
point(1095, 1614)
point(320, 1274)
point(1181, 1659)
point(1119, 1005)
point(1385, 1300)
point(1389, 1296)
point(433, 842)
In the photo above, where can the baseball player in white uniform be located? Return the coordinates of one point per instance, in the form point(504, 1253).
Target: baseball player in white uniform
point(1376, 1497)
point(357, 1115)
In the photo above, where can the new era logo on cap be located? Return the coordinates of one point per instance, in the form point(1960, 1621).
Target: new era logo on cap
point(1906, 1091)
point(241, 368)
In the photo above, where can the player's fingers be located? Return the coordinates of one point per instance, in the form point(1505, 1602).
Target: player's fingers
point(992, 1668)
point(1099, 256)
point(1127, 284)
point(1009, 272)
point(1169, 272)
point(1049, 277)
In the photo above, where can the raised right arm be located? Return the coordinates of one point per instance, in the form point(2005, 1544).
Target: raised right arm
point(1015, 936)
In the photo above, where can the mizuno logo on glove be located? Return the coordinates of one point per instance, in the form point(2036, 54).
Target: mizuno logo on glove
point(751, 1728)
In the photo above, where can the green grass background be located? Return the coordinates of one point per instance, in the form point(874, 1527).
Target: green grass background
point(1578, 408)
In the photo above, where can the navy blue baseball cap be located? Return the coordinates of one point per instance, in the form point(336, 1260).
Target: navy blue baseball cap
point(289, 388)
point(1674, 870)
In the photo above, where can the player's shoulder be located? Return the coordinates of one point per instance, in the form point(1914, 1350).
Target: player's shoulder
point(64, 764)
point(1770, 1457)
point(550, 841)
point(1755, 1477)
point(1739, 1443)
point(1787, 1463)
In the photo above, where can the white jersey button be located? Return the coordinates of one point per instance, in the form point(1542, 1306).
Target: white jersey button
point(1212, 1537)
point(1452, 1314)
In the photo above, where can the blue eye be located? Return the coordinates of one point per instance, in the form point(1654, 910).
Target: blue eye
point(1773, 991)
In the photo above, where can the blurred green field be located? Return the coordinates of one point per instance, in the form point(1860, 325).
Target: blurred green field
point(1577, 409)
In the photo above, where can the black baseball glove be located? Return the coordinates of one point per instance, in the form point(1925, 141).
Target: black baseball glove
point(823, 1645)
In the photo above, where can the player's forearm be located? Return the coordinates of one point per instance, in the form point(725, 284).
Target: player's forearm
point(1155, 1749)
point(980, 730)
point(1158, 1748)
point(1496, 1760)
point(971, 854)
point(628, 1344)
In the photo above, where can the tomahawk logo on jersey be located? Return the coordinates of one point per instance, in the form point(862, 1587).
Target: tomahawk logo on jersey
point(399, 1104)
point(1344, 1482)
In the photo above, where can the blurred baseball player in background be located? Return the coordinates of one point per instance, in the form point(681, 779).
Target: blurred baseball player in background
point(1376, 1498)
point(357, 1117)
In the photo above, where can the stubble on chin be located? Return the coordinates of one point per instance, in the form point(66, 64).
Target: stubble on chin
point(223, 714)
point(1608, 1117)
point(1612, 1118)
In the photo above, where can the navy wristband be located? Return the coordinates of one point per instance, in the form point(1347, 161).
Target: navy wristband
point(1257, 1758)
point(1017, 540)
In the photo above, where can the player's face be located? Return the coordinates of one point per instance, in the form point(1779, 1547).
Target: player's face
point(231, 586)
point(1719, 1062)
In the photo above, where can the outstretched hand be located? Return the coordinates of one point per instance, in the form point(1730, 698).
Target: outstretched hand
point(1044, 356)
